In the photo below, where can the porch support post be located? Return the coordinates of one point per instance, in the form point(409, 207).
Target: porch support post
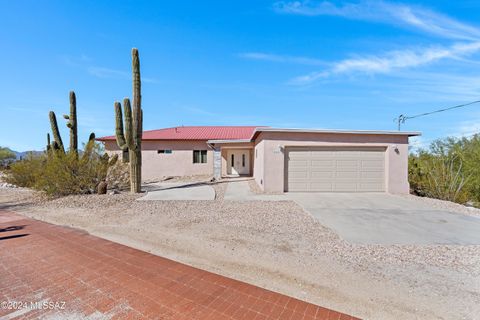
point(217, 162)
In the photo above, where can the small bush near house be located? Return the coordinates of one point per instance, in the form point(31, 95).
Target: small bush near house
point(448, 170)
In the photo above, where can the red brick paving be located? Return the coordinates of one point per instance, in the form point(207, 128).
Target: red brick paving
point(93, 277)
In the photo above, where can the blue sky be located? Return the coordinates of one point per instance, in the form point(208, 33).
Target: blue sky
point(312, 64)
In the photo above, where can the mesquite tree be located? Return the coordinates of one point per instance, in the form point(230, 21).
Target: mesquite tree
point(129, 137)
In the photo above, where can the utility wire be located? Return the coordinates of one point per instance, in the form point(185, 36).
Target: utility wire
point(402, 118)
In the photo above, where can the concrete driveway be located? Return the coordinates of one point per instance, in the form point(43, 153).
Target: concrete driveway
point(376, 218)
point(178, 191)
point(368, 218)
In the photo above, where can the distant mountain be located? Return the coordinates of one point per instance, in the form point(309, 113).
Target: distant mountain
point(23, 154)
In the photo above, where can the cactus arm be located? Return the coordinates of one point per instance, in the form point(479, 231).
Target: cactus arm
point(120, 137)
point(137, 99)
point(72, 123)
point(113, 160)
point(137, 83)
point(49, 146)
point(88, 147)
point(56, 133)
point(129, 129)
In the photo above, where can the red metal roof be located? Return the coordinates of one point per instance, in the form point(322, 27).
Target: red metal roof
point(196, 133)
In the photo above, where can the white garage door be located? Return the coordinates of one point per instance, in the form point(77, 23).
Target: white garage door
point(335, 169)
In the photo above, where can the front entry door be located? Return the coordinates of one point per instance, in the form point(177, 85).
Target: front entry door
point(238, 162)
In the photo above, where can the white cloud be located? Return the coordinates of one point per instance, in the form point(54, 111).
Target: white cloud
point(418, 142)
point(391, 61)
point(428, 87)
point(467, 128)
point(413, 17)
point(281, 58)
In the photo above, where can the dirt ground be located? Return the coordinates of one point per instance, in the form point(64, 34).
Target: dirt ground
point(278, 246)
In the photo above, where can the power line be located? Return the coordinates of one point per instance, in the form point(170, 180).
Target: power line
point(402, 118)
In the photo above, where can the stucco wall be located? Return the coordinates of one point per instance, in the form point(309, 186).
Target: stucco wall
point(259, 161)
point(273, 157)
point(178, 163)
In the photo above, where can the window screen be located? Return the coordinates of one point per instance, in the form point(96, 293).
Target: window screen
point(199, 156)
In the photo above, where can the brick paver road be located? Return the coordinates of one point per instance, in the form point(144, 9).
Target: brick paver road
point(54, 272)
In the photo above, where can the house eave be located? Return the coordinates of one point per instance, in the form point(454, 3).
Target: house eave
point(229, 141)
point(336, 131)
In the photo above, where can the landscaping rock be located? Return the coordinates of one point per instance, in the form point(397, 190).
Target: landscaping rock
point(7, 186)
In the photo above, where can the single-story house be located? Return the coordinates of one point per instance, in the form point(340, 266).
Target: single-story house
point(280, 159)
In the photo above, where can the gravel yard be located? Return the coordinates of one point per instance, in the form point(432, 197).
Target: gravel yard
point(278, 246)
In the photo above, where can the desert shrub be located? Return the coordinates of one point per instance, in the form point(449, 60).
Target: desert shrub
point(447, 170)
point(60, 174)
point(417, 176)
point(65, 174)
point(6, 154)
point(446, 180)
point(25, 173)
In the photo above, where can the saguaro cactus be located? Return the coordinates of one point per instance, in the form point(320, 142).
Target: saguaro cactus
point(57, 143)
point(57, 138)
point(130, 137)
point(48, 143)
point(72, 123)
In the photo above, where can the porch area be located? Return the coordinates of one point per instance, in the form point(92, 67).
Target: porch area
point(233, 159)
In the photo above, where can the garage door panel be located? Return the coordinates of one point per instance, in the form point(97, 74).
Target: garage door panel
point(372, 155)
point(336, 170)
point(345, 187)
point(322, 154)
point(321, 187)
point(299, 163)
point(323, 163)
point(298, 169)
point(298, 186)
point(346, 154)
point(371, 174)
point(298, 175)
point(371, 163)
point(346, 175)
point(347, 164)
point(321, 174)
point(300, 155)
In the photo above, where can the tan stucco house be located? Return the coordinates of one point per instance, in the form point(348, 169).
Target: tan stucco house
point(280, 159)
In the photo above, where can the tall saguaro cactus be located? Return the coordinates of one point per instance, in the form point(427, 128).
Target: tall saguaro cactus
point(72, 123)
point(129, 137)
